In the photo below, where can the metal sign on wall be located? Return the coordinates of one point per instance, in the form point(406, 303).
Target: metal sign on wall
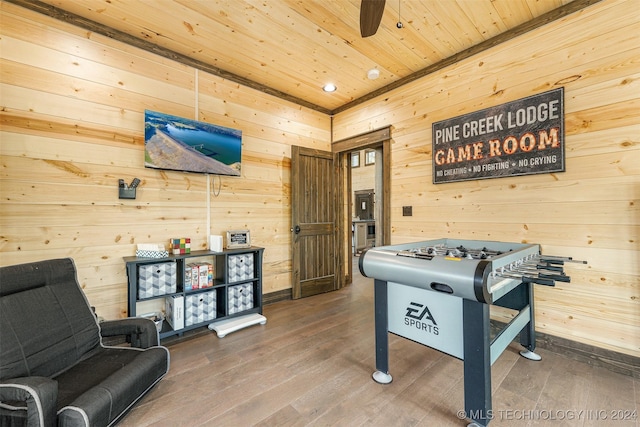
point(521, 137)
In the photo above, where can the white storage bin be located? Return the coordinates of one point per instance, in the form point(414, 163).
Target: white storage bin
point(239, 298)
point(156, 279)
point(200, 307)
point(157, 318)
point(240, 267)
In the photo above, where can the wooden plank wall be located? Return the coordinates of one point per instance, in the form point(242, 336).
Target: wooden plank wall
point(590, 212)
point(72, 124)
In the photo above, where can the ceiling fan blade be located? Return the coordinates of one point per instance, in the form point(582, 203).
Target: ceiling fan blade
point(370, 16)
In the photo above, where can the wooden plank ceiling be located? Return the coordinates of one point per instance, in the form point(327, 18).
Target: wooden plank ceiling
point(291, 48)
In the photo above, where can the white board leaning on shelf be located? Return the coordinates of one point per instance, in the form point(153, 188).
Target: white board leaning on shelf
point(237, 239)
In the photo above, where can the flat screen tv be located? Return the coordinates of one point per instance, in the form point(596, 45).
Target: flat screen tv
point(176, 143)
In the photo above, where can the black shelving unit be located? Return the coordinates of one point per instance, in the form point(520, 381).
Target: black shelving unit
point(226, 280)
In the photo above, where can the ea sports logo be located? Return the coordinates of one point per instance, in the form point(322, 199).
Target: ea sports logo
point(419, 316)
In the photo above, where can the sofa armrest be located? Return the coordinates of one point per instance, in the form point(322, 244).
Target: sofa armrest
point(40, 395)
point(140, 332)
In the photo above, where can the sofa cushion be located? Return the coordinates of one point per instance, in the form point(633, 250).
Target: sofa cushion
point(100, 388)
point(46, 324)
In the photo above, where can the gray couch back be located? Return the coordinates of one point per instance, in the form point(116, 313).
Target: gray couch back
point(46, 324)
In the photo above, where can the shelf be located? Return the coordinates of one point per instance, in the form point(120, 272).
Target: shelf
point(158, 297)
point(237, 289)
point(195, 291)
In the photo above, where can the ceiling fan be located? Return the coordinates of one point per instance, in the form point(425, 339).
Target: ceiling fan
point(370, 16)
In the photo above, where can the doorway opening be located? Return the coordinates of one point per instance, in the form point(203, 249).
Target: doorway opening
point(364, 171)
point(363, 211)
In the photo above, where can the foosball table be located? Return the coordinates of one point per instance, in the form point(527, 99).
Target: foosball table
point(438, 293)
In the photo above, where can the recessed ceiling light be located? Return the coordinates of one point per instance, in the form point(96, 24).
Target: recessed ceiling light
point(329, 87)
point(373, 74)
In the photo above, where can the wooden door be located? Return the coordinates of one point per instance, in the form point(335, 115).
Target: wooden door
point(313, 222)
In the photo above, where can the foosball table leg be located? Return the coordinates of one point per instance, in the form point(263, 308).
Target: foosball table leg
point(477, 362)
point(521, 298)
point(527, 354)
point(381, 375)
point(528, 334)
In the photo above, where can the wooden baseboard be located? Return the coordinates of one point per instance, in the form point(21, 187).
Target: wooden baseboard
point(595, 356)
point(277, 296)
point(592, 355)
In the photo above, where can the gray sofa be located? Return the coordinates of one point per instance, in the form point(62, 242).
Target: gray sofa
point(55, 368)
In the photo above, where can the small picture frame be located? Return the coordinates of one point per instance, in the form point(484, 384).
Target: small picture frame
point(237, 239)
point(369, 157)
point(355, 159)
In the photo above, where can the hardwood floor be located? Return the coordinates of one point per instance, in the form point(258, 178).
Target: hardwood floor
point(311, 365)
